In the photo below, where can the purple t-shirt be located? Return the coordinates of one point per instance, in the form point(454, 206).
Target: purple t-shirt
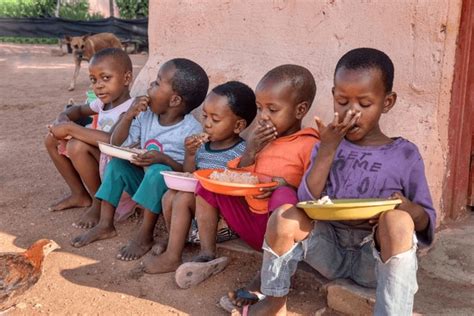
point(377, 172)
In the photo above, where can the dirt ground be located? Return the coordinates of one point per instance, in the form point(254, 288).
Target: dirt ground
point(33, 89)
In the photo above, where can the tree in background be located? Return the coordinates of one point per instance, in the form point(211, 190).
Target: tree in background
point(132, 9)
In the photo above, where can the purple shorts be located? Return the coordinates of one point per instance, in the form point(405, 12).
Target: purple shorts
point(248, 225)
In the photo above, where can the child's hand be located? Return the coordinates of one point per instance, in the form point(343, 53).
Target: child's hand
point(406, 204)
point(192, 144)
point(61, 131)
point(267, 192)
point(263, 134)
point(333, 133)
point(139, 105)
point(148, 158)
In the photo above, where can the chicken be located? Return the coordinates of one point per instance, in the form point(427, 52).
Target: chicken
point(20, 271)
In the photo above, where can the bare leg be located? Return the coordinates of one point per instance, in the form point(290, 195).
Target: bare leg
point(167, 205)
point(207, 217)
point(79, 196)
point(143, 240)
point(182, 214)
point(103, 230)
point(286, 226)
point(394, 233)
point(85, 159)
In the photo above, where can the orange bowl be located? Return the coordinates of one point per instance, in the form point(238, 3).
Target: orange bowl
point(235, 189)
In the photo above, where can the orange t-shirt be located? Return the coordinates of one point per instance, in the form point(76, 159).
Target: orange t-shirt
point(287, 157)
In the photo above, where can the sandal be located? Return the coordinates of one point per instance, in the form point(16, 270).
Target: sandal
point(229, 306)
point(192, 273)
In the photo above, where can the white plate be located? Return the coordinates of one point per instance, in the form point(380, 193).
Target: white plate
point(117, 152)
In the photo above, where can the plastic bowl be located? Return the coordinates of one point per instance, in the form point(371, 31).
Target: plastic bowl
point(234, 189)
point(180, 181)
point(347, 209)
point(117, 152)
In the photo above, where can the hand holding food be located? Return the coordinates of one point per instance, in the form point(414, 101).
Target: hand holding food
point(139, 105)
point(193, 142)
point(263, 133)
point(335, 131)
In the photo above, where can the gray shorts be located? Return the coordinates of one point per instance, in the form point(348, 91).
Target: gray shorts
point(335, 252)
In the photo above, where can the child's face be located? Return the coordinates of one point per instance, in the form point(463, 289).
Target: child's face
point(276, 105)
point(362, 91)
point(161, 91)
point(218, 120)
point(109, 81)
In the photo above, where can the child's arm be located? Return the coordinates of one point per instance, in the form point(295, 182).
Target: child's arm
point(74, 113)
point(87, 135)
point(122, 128)
point(261, 136)
point(331, 137)
point(191, 145)
point(154, 156)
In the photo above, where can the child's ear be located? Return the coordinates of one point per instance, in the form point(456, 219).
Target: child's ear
point(176, 100)
point(332, 91)
point(240, 125)
point(389, 101)
point(301, 109)
point(128, 78)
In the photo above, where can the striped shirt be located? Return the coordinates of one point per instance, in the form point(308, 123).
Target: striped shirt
point(207, 158)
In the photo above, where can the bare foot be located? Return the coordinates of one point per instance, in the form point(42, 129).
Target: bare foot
point(90, 218)
point(94, 234)
point(71, 202)
point(134, 250)
point(160, 264)
point(159, 247)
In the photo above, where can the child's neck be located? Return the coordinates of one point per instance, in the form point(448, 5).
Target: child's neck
point(293, 129)
point(375, 138)
point(170, 118)
point(224, 143)
point(121, 99)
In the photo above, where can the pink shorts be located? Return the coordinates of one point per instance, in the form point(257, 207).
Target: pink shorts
point(248, 225)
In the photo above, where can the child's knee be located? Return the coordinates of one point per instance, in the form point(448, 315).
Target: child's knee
point(396, 226)
point(76, 147)
point(284, 222)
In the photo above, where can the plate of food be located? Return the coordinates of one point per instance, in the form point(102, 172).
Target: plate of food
point(180, 181)
point(346, 209)
point(120, 152)
point(233, 182)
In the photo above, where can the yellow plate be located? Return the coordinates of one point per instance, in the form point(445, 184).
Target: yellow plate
point(347, 209)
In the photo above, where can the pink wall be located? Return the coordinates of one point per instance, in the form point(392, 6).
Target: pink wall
point(243, 39)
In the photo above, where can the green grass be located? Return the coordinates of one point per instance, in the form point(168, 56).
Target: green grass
point(28, 40)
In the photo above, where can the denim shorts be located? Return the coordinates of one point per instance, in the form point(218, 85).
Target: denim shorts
point(334, 251)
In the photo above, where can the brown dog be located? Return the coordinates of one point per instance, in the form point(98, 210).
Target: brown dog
point(83, 47)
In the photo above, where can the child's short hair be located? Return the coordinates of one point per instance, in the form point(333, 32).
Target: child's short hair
point(298, 77)
point(369, 58)
point(117, 54)
point(190, 81)
point(241, 99)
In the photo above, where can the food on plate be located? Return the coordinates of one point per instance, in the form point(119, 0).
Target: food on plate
point(324, 200)
point(234, 177)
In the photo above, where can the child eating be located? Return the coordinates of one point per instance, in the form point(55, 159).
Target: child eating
point(284, 96)
point(228, 109)
point(110, 73)
point(355, 159)
point(159, 122)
